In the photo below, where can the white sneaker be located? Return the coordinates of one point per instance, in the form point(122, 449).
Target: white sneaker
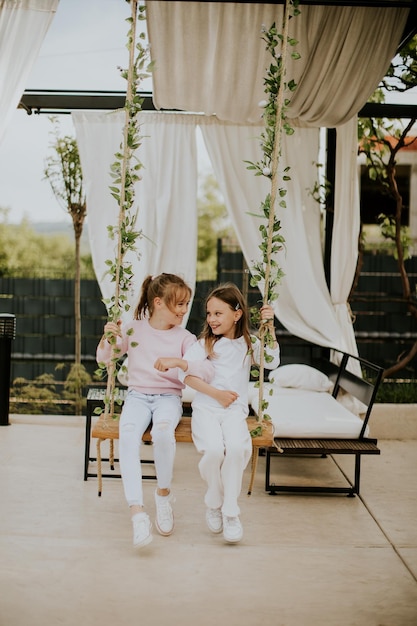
point(164, 516)
point(232, 529)
point(142, 530)
point(214, 520)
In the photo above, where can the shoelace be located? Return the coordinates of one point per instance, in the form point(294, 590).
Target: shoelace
point(165, 512)
point(232, 521)
point(140, 527)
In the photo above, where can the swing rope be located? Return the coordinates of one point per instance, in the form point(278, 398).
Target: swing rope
point(108, 416)
point(276, 153)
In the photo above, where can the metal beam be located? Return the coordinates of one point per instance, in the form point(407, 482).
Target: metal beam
point(62, 102)
point(50, 101)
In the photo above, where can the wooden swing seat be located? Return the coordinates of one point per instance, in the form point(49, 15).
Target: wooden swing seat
point(109, 430)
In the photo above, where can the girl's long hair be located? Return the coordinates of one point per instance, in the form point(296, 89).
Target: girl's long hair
point(169, 287)
point(231, 295)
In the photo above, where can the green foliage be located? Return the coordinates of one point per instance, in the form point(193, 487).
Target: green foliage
point(125, 172)
point(321, 188)
point(266, 272)
point(213, 224)
point(402, 72)
point(38, 396)
point(398, 392)
point(63, 171)
point(274, 83)
point(25, 252)
point(78, 378)
point(388, 231)
point(380, 139)
point(45, 395)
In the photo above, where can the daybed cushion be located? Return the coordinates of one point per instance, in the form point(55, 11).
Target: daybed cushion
point(299, 376)
point(306, 414)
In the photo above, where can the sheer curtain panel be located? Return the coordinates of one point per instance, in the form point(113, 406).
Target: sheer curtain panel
point(165, 197)
point(23, 26)
point(210, 57)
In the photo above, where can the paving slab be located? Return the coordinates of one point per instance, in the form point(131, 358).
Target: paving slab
point(305, 560)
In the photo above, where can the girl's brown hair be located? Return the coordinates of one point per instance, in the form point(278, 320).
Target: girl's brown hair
point(169, 287)
point(231, 295)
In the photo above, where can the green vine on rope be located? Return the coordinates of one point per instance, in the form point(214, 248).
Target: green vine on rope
point(125, 172)
point(267, 272)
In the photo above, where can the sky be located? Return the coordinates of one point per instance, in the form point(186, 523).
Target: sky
point(84, 46)
point(82, 50)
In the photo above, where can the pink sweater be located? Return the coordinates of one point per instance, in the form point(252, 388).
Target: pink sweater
point(152, 344)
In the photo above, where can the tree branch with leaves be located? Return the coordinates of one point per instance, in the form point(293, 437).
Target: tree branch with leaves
point(63, 171)
point(380, 140)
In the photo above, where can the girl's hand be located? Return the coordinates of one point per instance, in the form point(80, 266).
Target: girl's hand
point(267, 313)
point(267, 321)
point(163, 364)
point(111, 329)
point(226, 398)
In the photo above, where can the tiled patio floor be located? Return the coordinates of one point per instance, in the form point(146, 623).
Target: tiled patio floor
point(66, 557)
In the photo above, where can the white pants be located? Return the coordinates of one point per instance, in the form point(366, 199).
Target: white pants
point(222, 437)
point(138, 410)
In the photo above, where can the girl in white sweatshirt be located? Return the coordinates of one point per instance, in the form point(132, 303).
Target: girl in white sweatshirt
point(220, 409)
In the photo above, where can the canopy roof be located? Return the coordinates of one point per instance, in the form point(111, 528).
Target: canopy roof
point(47, 101)
point(210, 61)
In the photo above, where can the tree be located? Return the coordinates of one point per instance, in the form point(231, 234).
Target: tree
point(380, 140)
point(213, 224)
point(63, 170)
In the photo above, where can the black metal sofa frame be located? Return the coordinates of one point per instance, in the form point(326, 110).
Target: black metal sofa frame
point(365, 390)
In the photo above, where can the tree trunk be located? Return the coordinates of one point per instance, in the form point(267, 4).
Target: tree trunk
point(77, 323)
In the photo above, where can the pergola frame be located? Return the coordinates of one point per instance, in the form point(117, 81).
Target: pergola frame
point(64, 102)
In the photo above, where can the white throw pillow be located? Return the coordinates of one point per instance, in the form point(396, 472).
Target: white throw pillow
point(300, 376)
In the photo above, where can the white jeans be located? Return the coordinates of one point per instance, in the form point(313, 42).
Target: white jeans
point(222, 437)
point(138, 410)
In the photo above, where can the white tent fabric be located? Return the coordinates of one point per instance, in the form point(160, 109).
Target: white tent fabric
point(346, 220)
point(304, 306)
point(23, 26)
point(165, 197)
point(220, 60)
point(167, 211)
point(210, 57)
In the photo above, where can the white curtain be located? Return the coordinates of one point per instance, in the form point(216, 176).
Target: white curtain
point(304, 306)
point(210, 57)
point(23, 26)
point(346, 220)
point(165, 197)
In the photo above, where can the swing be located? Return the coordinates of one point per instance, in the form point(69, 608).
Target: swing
point(107, 426)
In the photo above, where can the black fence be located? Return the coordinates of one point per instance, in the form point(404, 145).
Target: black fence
point(383, 328)
point(44, 311)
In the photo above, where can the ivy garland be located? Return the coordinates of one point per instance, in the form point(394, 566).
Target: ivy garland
point(267, 272)
point(125, 172)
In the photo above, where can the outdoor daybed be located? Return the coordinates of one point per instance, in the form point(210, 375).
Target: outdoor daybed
point(319, 411)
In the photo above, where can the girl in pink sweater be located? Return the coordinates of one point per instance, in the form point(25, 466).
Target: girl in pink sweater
point(152, 394)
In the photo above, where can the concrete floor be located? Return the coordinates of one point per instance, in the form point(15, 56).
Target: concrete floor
point(66, 557)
